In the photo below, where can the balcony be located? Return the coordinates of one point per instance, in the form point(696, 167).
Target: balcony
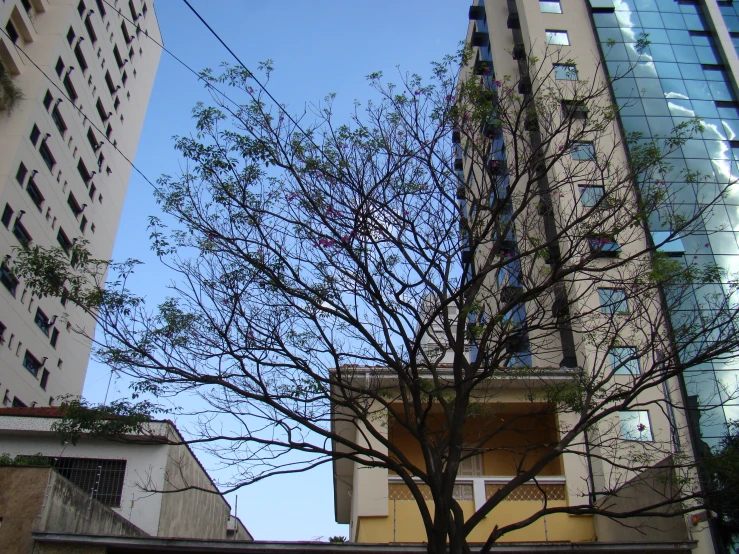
point(471, 493)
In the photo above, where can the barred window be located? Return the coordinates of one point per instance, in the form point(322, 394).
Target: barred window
point(103, 479)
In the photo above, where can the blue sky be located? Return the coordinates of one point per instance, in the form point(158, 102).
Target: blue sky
point(318, 47)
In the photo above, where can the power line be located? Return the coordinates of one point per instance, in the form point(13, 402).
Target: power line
point(251, 74)
point(79, 109)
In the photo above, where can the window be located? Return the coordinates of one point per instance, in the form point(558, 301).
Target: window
point(12, 32)
point(20, 175)
point(90, 30)
point(81, 8)
point(574, 109)
point(101, 111)
point(83, 171)
point(46, 155)
point(17, 403)
point(74, 205)
point(673, 247)
point(7, 216)
point(590, 196)
point(124, 77)
point(110, 83)
point(42, 321)
point(80, 58)
point(613, 301)
point(83, 224)
point(623, 360)
point(35, 194)
point(471, 466)
point(604, 246)
point(8, 279)
point(31, 363)
point(635, 426)
point(131, 7)
point(559, 38)
point(71, 36)
point(59, 67)
point(21, 233)
point(583, 151)
point(58, 120)
point(48, 99)
point(126, 35)
point(550, 6)
point(35, 134)
point(69, 87)
point(2, 332)
point(44, 379)
point(101, 7)
point(54, 337)
point(118, 58)
point(92, 191)
point(102, 478)
point(92, 139)
point(64, 241)
point(565, 72)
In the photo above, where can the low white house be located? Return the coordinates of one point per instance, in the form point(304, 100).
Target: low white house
point(122, 474)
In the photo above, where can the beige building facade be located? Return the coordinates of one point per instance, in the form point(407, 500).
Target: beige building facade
point(75, 82)
point(584, 41)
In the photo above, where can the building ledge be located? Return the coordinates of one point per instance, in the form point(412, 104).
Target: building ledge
point(123, 545)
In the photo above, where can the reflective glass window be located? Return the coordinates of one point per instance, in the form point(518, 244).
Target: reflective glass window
point(583, 151)
point(623, 360)
point(706, 54)
point(635, 426)
point(662, 53)
point(590, 195)
point(613, 301)
point(557, 37)
point(550, 6)
point(655, 106)
point(565, 72)
point(651, 19)
point(668, 70)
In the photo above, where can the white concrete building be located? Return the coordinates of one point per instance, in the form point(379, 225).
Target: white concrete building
point(85, 69)
point(124, 474)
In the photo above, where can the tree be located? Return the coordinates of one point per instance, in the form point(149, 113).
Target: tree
point(723, 496)
point(457, 246)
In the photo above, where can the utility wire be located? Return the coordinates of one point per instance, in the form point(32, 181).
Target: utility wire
point(79, 109)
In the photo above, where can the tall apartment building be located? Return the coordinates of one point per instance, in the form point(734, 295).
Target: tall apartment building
point(85, 70)
point(689, 69)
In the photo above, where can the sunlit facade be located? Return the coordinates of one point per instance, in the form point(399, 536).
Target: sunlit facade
point(75, 82)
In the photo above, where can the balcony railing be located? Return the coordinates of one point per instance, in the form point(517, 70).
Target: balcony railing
point(480, 489)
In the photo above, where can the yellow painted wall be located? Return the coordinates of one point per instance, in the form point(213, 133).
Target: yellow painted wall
point(522, 434)
point(408, 527)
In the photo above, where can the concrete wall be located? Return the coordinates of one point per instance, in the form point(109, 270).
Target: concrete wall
point(190, 513)
point(39, 499)
point(68, 509)
point(648, 488)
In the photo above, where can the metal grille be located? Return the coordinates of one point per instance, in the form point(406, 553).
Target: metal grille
point(102, 479)
point(529, 492)
point(398, 491)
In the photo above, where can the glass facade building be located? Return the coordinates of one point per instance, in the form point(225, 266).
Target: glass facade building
point(684, 74)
